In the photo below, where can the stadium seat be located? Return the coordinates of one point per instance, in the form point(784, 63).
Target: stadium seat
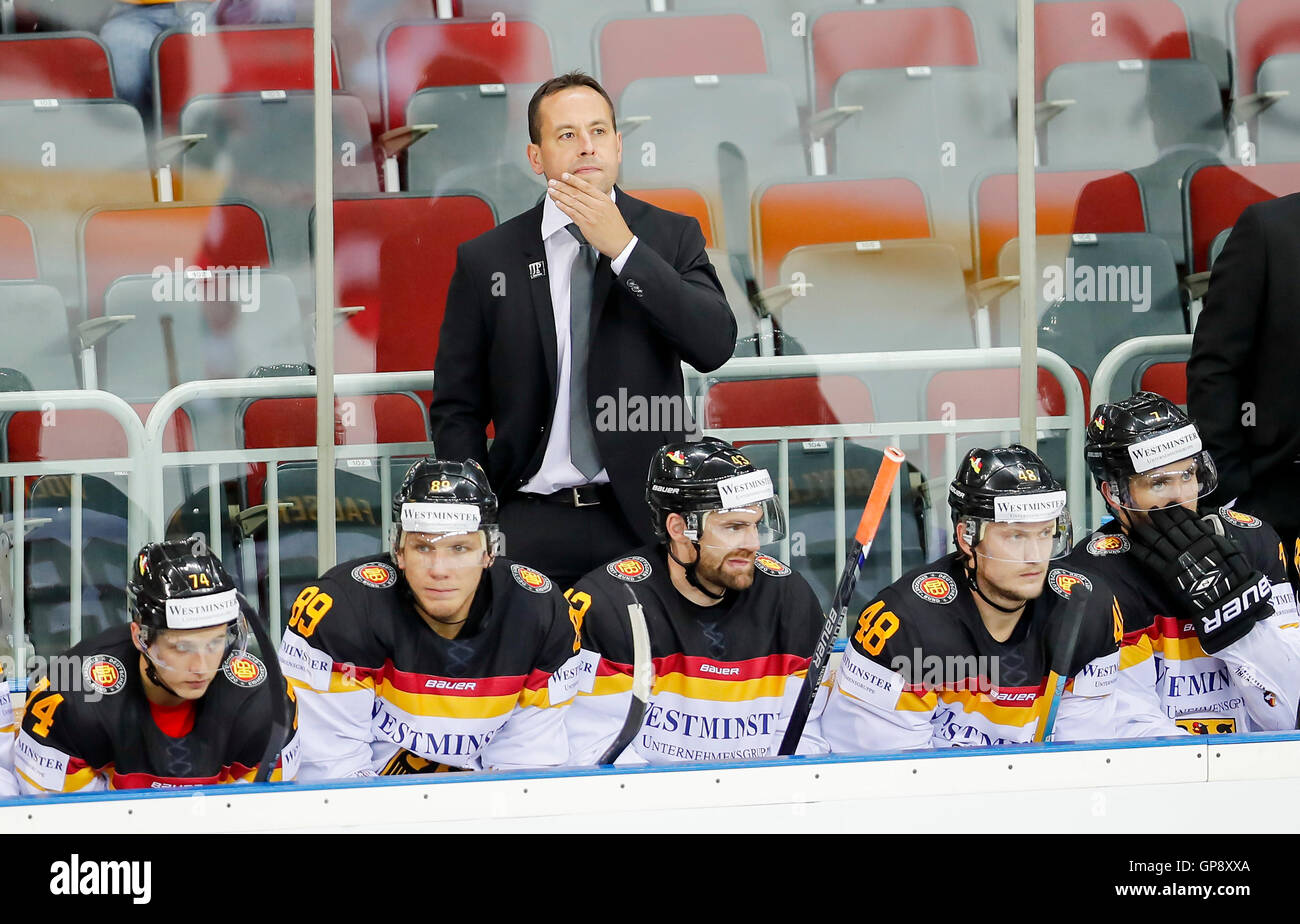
point(1277, 128)
point(941, 126)
point(670, 45)
point(17, 249)
point(478, 147)
point(232, 59)
point(1215, 196)
point(701, 132)
point(888, 38)
point(1207, 22)
point(58, 159)
point(995, 31)
point(393, 258)
point(60, 66)
point(790, 402)
point(570, 23)
point(1059, 207)
point(238, 321)
point(1163, 378)
point(684, 200)
point(44, 17)
point(830, 210)
point(356, 31)
point(257, 148)
point(1259, 29)
point(1106, 30)
point(1128, 113)
point(457, 53)
point(35, 339)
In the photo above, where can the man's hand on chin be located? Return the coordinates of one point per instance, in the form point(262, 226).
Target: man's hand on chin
point(593, 212)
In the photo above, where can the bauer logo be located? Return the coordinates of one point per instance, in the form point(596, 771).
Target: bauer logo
point(1161, 450)
point(1063, 582)
point(630, 569)
point(935, 587)
point(374, 574)
point(1108, 545)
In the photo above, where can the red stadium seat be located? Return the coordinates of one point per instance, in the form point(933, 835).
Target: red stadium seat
point(121, 242)
point(684, 201)
point(1215, 195)
point(1259, 30)
point(17, 249)
point(677, 46)
point(356, 40)
point(846, 40)
point(67, 66)
point(793, 402)
point(1107, 30)
point(236, 59)
point(1120, 210)
point(829, 211)
point(451, 53)
point(394, 256)
point(31, 436)
point(1168, 379)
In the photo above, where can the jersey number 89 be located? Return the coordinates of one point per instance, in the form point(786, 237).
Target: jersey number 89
point(311, 605)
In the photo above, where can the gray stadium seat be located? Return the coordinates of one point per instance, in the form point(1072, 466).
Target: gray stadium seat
point(1127, 113)
point(1277, 130)
point(570, 23)
point(35, 340)
point(58, 159)
point(259, 147)
point(211, 339)
point(1207, 21)
point(479, 145)
point(941, 127)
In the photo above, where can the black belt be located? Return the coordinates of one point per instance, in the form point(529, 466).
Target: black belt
point(584, 495)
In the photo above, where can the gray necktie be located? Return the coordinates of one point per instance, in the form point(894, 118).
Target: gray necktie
point(582, 442)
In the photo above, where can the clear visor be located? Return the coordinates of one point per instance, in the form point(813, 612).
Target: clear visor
point(749, 527)
point(451, 551)
point(1181, 482)
point(1039, 541)
point(195, 654)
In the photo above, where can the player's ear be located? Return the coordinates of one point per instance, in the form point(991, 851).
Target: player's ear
point(676, 526)
point(534, 152)
point(135, 637)
point(962, 538)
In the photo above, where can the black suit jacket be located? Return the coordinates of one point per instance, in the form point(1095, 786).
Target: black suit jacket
point(496, 357)
point(1247, 349)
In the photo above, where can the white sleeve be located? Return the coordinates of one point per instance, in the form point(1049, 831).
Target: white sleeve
point(868, 709)
point(598, 712)
point(1138, 713)
point(334, 710)
point(8, 730)
point(534, 734)
point(1266, 669)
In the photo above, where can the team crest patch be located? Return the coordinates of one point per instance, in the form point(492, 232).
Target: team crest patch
point(1063, 581)
point(1244, 520)
point(631, 569)
point(529, 579)
point(935, 587)
point(375, 574)
point(769, 565)
point(1109, 545)
point(244, 670)
point(104, 674)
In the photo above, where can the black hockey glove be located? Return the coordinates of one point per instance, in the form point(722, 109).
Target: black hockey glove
point(1219, 590)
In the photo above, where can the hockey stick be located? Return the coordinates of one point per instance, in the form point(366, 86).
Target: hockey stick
point(643, 678)
point(867, 526)
point(1060, 667)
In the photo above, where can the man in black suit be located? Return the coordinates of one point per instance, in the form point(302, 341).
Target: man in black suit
point(562, 320)
point(1243, 379)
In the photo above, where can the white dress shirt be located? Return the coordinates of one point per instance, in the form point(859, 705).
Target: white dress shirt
point(557, 470)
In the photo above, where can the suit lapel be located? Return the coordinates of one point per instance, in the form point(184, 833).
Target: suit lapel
point(539, 288)
point(604, 280)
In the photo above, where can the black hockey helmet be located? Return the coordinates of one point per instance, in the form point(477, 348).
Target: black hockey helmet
point(696, 478)
point(1139, 434)
point(447, 498)
point(1008, 485)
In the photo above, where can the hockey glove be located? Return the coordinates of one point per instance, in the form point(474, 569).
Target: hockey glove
point(1207, 572)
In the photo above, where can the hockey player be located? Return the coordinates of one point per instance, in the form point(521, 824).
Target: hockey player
point(8, 780)
point(446, 656)
point(1209, 617)
point(172, 698)
point(957, 652)
point(731, 629)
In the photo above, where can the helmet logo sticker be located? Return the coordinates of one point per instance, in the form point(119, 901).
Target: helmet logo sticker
point(935, 587)
point(740, 460)
point(977, 464)
point(374, 574)
point(1241, 519)
point(1027, 474)
point(244, 670)
point(201, 612)
point(677, 457)
point(1028, 508)
point(1165, 448)
point(1063, 582)
point(439, 517)
point(104, 674)
point(1100, 422)
point(529, 579)
point(1109, 545)
point(742, 490)
point(769, 565)
point(142, 562)
point(632, 569)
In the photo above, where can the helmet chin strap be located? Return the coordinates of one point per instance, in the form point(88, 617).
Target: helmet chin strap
point(690, 571)
point(973, 583)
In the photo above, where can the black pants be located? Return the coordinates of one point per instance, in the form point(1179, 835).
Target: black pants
point(1275, 499)
point(563, 542)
